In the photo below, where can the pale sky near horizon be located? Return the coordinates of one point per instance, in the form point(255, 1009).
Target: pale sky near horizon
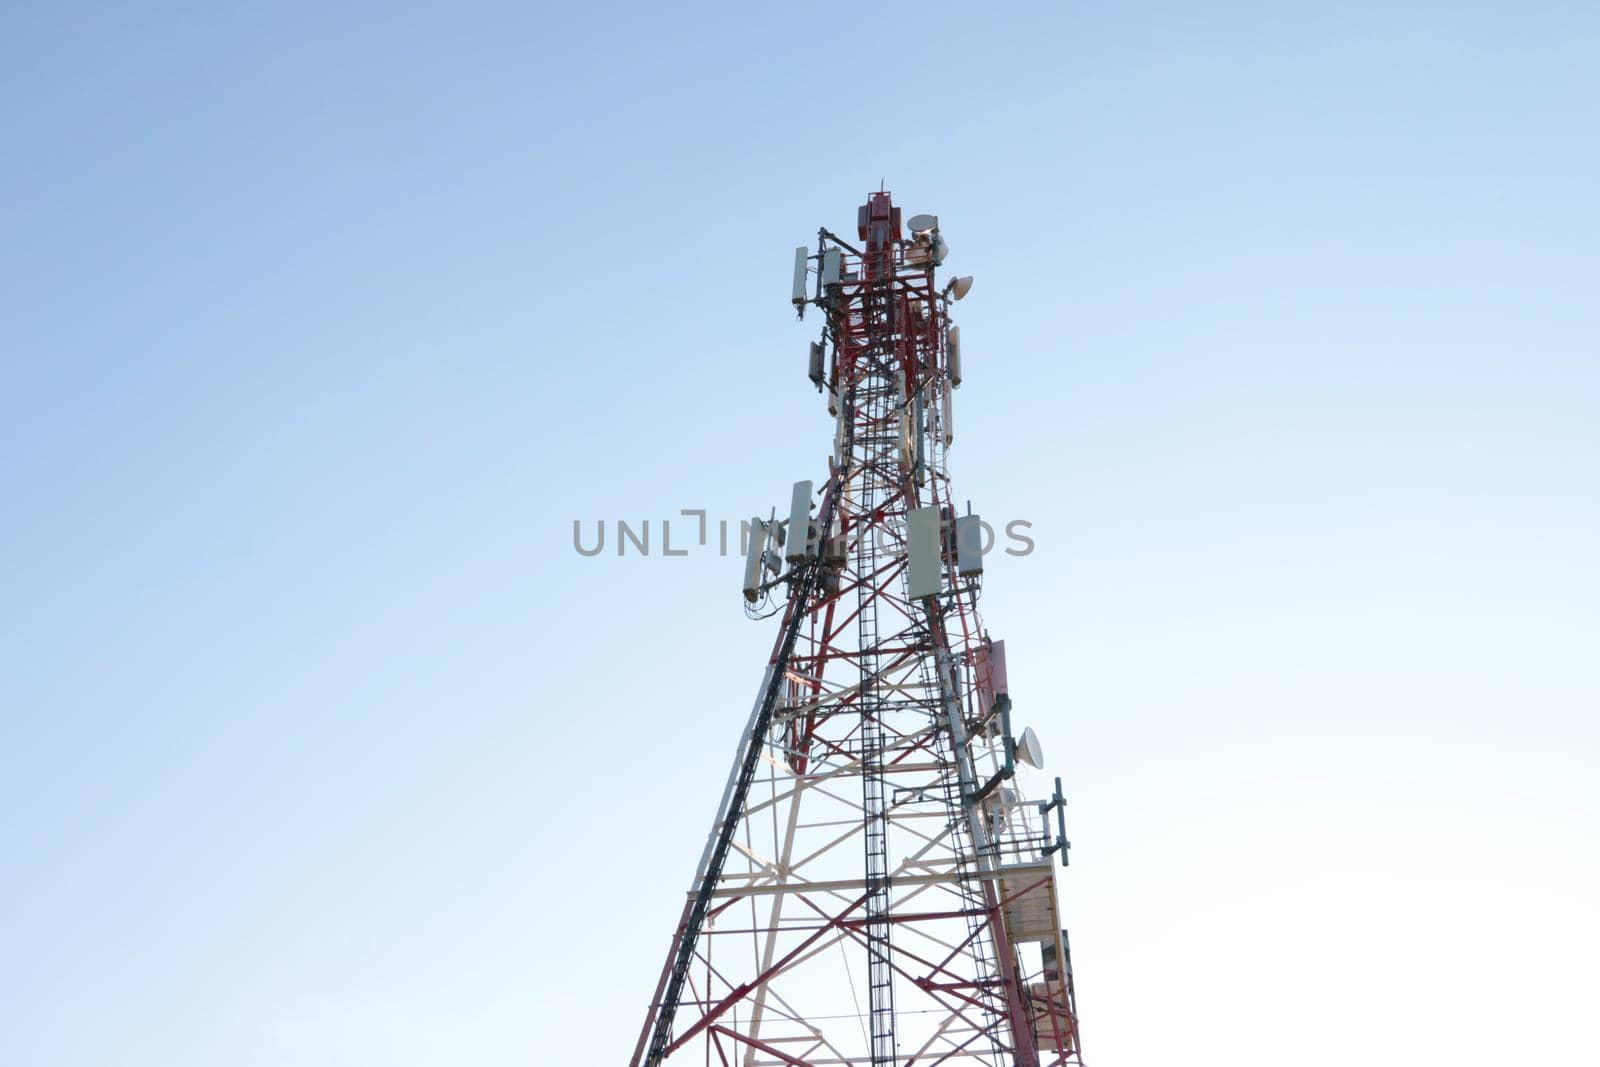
point(319, 327)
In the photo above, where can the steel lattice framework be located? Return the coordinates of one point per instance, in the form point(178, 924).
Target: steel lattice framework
point(874, 889)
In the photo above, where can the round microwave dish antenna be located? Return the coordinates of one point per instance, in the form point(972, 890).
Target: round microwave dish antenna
point(1028, 750)
point(921, 224)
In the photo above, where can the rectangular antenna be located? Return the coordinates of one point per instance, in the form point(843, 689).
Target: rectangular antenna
point(969, 545)
point(922, 547)
point(800, 540)
point(801, 255)
point(832, 265)
point(753, 559)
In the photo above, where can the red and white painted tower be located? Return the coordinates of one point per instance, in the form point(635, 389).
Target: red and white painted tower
point(875, 889)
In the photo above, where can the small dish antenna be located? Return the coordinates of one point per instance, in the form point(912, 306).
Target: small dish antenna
point(1028, 750)
point(921, 224)
point(961, 286)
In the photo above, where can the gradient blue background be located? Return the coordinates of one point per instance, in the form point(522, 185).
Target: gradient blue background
point(319, 745)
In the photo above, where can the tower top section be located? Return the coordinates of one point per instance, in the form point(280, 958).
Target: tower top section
point(888, 249)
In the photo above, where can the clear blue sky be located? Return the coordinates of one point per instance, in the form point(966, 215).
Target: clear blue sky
point(319, 745)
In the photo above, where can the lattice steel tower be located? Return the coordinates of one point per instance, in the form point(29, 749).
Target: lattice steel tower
point(875, 889)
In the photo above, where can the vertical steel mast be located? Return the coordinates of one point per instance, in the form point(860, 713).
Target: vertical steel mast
point(911, 917)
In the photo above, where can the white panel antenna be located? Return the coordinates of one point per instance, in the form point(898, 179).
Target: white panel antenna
point(801, 256)
point(832, 265)
point(969, 545)
point(753, 560)
point(800, 540)
point(924, 566)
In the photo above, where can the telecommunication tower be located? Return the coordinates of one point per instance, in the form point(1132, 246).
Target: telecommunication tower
point(875, 890)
